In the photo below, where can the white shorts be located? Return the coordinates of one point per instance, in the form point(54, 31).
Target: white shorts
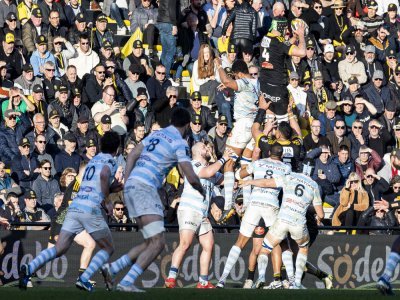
point(78, 220)
point(241, 134)
point(192, 220)
point(280, 229)
point(142, 199)
point(252, 217)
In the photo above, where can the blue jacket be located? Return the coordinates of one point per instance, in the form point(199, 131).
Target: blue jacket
point(378, 99)
point(37, 61)
point(330, 169)
point(344, 169)
point(21, 164)
point(63, 160)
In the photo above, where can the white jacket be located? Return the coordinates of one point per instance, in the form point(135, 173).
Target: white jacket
point(84, 62)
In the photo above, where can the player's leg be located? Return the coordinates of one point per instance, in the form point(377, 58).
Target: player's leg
point(257, 245)
point(244, 161)
point(206, 239)
point(383, 283)
point(229, 182)
point(88, 243)
point(287, 259)
point(302, 239)
point(276, 259)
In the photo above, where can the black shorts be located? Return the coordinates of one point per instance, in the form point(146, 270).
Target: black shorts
point(260, 231)
point(54, 231)
point(278, 95)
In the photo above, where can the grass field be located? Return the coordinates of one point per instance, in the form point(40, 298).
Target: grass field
point(40, 293)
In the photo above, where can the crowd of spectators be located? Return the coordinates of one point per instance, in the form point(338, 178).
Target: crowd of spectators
point(64, 82)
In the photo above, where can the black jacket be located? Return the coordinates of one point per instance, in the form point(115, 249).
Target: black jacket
point(92, 91)
point(207, 119)
point(245, 20)
point(163, 111)
point(169, 12)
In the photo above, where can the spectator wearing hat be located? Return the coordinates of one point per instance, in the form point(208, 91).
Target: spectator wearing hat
point(350, 66)
point(338, 22)
point(123, 92)
point(381, 42)
point(38, 101)
point(116, 110)
point(378, 94)
point(391, 165)
point(372, 21)
point(329, 68)
point(139, 58)
point(17, 102)
point(101, 34)
point(83, 133)
point(107, 53)
point(62, 51)
point(65, 108)
point(41, 56)
point(318, 95)
point(105, 125)
point(379, 138)
point(48, 6)
point(370, 63)
point(94, 84)
point(145, 18)
point(389, 67)
point(79, 27)
point(347, 111)
point(388, 117)
point(300, 66)
point(45, 186)
point(328, 118)
point(82, 110)
point(90, 150)
point(11, 133)
point(68, 157)
point(11, 55)
point(72, 11)
point(133, 80)
point(12, 25)
point(197, 134)
point(6, 7)
point(85, 58)
point(195, 108)
point(364, 110)
point(71, 79)
point(386, 6)
point(158, 84)
point(55, 124)
point(229, 57)
point(40, 152)
point(164, 107)
point(352, 89)
point(24, 167)
point(390, 19)
point(31, 29)
point(312, 59)
point(218, 135)
point(32, 212)
point(143, 112)
point(27, 80)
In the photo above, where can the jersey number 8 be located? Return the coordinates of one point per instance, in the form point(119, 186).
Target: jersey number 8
point(152, 145)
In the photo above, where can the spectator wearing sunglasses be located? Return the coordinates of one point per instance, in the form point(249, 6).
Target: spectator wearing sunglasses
point(379, 138)
point(133, 80)
point(45, 186)
point(370, 62)
point(40, 150)
point(195, 108)
point(120, 217)
point(158, 84)
point(338, 137)
point(378, 94)
point(367, 159)
point(375, 185)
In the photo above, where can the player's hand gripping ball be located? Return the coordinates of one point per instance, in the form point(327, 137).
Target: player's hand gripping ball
point(296, 23)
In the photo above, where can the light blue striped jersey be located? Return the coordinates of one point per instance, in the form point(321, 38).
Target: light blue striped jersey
point(162, 150)
point(299, 191)
point(246, 98)
point(90, 194)
point(192, 199)
point(267, 168)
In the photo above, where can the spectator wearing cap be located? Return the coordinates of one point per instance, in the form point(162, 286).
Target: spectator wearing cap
point(48, 6)
point(85, 58)
point(90, 150)
point(41, 56)
point(329, 68)
point(40, 152)
point(229, 57)
point(145, 18)
point(298, 94)
point(123, 92)
point(143, 112)
point(38, 101)
point(101, 34)
point(107, 53)
point(39, 127)
point(379, 138)
point(300, 66)
point(350, 66)
point(105, 125)
point(347, 111)
point(32, 212)
point(387, 119)
point(31, 30)
point(338, 21)
point(353, 89)
point(391, 165)
point(328, 118)
point(381, 42)
point(218, 135)
point(318, 95)
point(65, 108)
point(82, 110)
point(108, 106)
point(376, 93)
point(195, 108)
point(371, 64)
point(158, 84)
point(386, 6)
point(11, 55)
point(394, 86)
point(391, 17)
point(11, 133)
point(139, 58)
point(71, 79)
point(62, 51)
point(372, 21)
point(24, 167)
point(83, 133)
point(197, 134)
point(133, 80)
point(312, 59)
point(164, 107)
point(17, 102)
point(55, 124)
point(79, 27)
point(6, 7)
point(364, 110)
point(93, 85)
point(390, 65)
point(68, 157)
point(45, 186)
point(12, 25)
point(27, 80)
point(72, 11)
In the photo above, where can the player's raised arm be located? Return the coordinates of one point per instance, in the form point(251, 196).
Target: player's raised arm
point(225, 79)
point(131, 160)
point(212, 169)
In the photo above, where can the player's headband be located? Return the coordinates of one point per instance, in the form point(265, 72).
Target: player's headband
point(279, 24)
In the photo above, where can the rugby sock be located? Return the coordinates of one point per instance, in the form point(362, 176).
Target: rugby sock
point(277, 277)
point(247, 189)
point(250, 274)
point(313, 270)
point(262, 262)
point(81, 271)
point(173, 272)
point(133, 273)
point(391, 264)
point(97, 261)
point(300, 264)
point(203, 279)
point(230, 262)
point(229, 181)
point(287, 259)
point(120, 264)
point(45, 256)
